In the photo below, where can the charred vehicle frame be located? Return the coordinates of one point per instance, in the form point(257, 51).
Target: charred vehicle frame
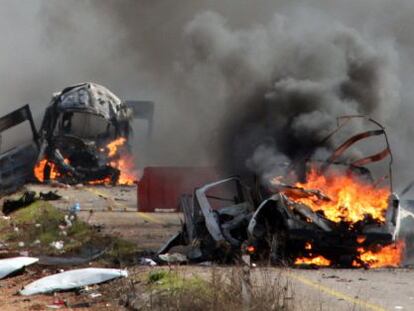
point(77, 124)
point(278, 229)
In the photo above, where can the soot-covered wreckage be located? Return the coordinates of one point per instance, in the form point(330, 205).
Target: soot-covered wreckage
point(335, 214)
point(83, 139)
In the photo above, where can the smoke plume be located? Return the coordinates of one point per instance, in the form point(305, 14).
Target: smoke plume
point(238, 84)
point(284, 83)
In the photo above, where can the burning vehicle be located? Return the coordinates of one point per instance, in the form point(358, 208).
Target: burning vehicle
point(329, 212)
point(83, 138)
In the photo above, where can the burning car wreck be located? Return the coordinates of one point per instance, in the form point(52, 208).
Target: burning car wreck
point(334, 214)
point(83, 138)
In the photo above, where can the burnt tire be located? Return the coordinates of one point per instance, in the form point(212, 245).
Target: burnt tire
point(277, 255)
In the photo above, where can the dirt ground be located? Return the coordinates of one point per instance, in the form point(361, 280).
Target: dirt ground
point(114, 209)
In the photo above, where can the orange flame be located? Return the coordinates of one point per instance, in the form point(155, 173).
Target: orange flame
point(350, 199)
point(126, 166)
point(318, 261)
point(387, 256)
point(119, 159)
point(114, 146)
point(250, 249)
point(39, 170)
point(361, 239)
point(124, 162)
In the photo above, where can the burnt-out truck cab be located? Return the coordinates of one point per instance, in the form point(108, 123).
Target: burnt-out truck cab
point(221, 222)
point(70, 145)
point(287, 226)
point(79, 121)
point(283, 230)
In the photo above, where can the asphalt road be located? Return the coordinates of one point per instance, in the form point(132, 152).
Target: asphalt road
point(353, 289)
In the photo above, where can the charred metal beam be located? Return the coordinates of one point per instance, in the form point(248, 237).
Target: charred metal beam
point(341, 149)
point(373, 158)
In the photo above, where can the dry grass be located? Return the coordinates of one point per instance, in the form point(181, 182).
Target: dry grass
point(218, 289)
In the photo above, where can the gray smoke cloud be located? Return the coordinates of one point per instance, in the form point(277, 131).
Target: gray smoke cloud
point(240, 83)
point(284, 83)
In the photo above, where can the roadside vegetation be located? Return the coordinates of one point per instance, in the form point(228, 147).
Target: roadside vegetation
point(218, 289)
point(42, 229)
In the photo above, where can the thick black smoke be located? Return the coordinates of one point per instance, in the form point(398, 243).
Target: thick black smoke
point(235, 82)
point(286, 82)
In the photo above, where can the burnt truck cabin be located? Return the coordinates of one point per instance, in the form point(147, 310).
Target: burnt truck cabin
point(281, 228)
point(278, 229)
point(79, 121)
point(78, 124)
point(88, 111)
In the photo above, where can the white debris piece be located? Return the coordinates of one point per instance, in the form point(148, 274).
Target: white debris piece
point(10, 265)
point(57, 244)
point(71, 280)
point(148, 262)
point(173, 258)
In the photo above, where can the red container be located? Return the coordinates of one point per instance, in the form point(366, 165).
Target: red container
point(160, 188)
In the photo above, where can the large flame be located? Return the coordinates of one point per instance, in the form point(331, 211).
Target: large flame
point(40, 167)
point(118, 157)
point(350, 199)
point(126, 166)
point(387, 256)
point(381, 257)
point(114, 146)
point(122, 160)
point(317, 261)
point(344, 197)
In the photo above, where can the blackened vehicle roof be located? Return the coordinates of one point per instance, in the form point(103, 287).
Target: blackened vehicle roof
point(91, 98)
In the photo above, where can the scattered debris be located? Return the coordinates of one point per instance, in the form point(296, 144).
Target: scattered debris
point(50, 196)
point(75, 209)
point(11, 265)
point(71, 260)
point(9, 206)
point(173, 258)
point(148, 262)
point(28, 197)
point(57, 244)
point(71, 280)
point(58, 304)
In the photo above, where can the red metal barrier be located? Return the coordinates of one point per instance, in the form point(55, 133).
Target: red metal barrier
point(160, 188)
